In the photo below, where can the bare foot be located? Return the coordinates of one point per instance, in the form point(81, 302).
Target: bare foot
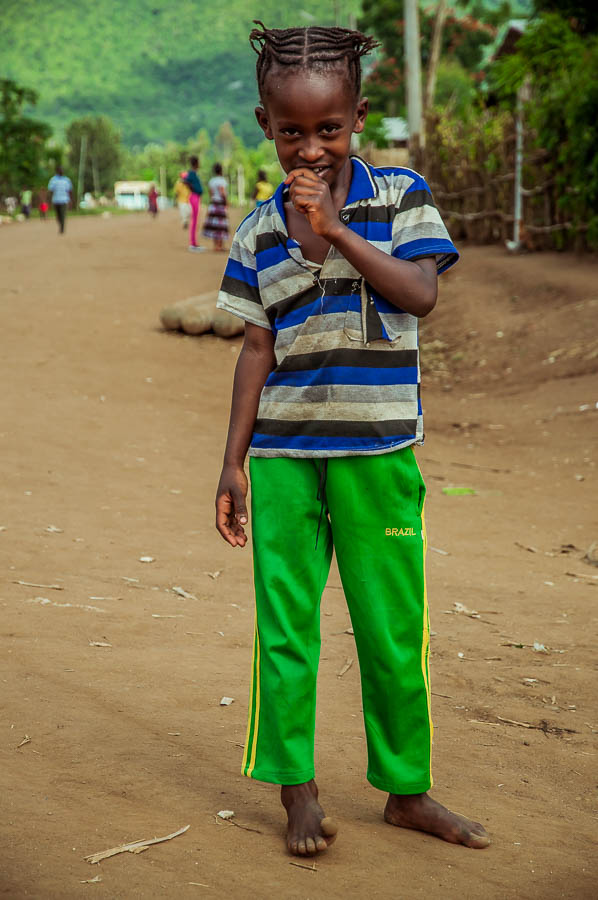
point(420, 812)
point(309, 830)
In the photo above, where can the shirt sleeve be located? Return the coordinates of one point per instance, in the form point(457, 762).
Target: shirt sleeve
point(239, 292)
point(418, 229)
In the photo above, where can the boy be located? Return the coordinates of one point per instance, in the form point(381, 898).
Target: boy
point(331, 276)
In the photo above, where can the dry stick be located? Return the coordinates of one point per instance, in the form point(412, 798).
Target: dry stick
point(133, 847)
point(53, 587)
point(244, 827)
point(303, 866)
point(446, 696)
point(463, 465)
point(544, 727)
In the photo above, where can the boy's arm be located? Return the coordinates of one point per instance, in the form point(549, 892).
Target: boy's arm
point(409, 285)
point(256, 361)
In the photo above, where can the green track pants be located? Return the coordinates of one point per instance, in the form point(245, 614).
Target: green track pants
point(373, 516)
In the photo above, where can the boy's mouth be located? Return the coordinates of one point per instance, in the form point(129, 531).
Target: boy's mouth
point(320, 170)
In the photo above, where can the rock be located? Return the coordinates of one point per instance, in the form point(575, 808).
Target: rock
point(226, 325)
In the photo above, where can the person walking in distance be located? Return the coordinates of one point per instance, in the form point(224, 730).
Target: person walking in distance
point(216, 224)
point(193, 181)
point(181, 198)
point(61, 188)
point(331, 277)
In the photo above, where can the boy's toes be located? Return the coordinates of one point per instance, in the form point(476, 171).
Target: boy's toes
point(310, 846)
point(321, 844)
point(301, 850)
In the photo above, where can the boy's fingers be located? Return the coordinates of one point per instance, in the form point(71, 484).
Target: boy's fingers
point(240, 507)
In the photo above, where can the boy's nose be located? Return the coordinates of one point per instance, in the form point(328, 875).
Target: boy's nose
point(311, 152)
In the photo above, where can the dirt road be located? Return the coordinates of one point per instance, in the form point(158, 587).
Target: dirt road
point(111, 434)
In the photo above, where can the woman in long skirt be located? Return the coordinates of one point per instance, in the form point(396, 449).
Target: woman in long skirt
point(216, 223)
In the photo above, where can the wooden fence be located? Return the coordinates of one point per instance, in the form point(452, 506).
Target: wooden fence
point(472, 176)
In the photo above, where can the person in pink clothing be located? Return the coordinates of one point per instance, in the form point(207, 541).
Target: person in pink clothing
point(194, 184)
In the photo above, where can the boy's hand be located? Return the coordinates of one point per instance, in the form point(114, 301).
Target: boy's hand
point(311, 196)
point(231, 508)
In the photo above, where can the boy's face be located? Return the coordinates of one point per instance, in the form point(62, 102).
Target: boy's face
point(311, 116)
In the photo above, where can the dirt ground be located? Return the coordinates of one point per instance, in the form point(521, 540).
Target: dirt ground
point(111, 438)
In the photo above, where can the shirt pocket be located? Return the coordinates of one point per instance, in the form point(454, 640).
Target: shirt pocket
point(368, 319)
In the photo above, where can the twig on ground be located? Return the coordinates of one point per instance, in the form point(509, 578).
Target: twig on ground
point(53, 587)
point(311, 868)
point(133, 847)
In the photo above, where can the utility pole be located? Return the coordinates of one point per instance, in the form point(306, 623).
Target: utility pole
point(82, 152)
point(413, 79)
point(441, 12)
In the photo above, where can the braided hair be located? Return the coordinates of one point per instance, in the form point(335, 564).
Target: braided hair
point(314, 47)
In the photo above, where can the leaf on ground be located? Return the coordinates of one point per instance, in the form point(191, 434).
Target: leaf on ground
point(99, 644)
point(226, 701)
point(215, 574)
point(345, 668)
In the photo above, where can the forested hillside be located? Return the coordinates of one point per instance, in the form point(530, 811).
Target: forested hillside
point(161, 69)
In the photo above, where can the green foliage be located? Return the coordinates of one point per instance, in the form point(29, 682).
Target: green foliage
point(102, 154)
point(582, 17)
point(160, 70)
point(375, 131)
point(468, 28)
point(22, 139)
point(454, 88)
point(561, 68)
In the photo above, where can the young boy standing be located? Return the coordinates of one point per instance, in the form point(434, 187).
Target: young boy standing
point(331, 276)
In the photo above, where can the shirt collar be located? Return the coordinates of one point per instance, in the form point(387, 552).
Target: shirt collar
point(362, 187)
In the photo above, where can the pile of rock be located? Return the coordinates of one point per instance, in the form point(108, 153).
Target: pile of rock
point(198, 315)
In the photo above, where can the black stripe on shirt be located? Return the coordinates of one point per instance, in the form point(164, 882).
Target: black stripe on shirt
point(241, 289)
point(416, 200)
point(335, 428)
point(361, 357)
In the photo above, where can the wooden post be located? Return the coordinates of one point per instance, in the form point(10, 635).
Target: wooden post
point(434, 55)
point(413, 79)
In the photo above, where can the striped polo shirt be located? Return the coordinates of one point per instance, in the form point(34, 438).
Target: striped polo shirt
point(347, 376)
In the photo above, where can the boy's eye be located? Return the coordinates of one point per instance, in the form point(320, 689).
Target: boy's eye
point(330, 129)
point(290, 132)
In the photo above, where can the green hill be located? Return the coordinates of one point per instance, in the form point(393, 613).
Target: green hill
point(161, 69)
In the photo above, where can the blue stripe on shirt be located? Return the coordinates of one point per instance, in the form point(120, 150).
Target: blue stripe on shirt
point(309, 442)
point(343, 375)
point(242, 273)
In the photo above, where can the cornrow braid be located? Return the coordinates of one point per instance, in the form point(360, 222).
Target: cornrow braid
point(313, 47)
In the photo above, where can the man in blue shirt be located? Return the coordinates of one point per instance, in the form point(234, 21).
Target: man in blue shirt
point(62, 188)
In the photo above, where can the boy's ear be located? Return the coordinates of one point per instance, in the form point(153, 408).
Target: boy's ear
point(263, 121)
point(361, 114)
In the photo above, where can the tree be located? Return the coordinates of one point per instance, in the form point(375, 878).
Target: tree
point(560, 67)
point(582, 17)
point(463, 39)
point(22, 140)
point(102, 152)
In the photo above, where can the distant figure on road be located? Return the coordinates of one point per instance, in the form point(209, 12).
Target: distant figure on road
point(42, 202)
point(62, 189)
point(263, 190)
point(182, 193)
point(152, 201)
point(26, 202)
point(194, 184)
point(216, 224)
